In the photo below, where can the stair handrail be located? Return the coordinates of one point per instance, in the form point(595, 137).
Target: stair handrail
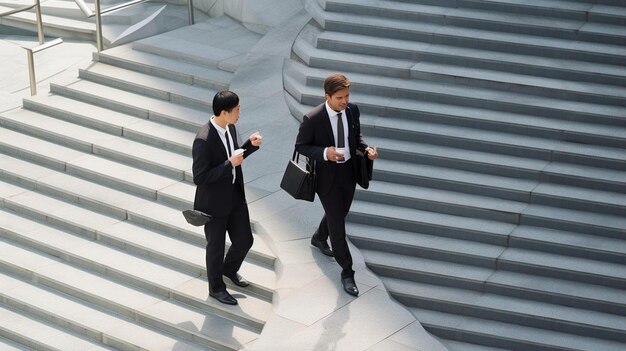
point(98, 13)
point(42, 44)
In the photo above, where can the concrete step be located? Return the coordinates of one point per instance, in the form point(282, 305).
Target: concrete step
point(125, 57)
point(133, 104)
point(472, 58)
point(113, 203)
point(506, 335)
point(573, 29)
point(87, 140)
point(494, 142)
point(424, 246)
point(62, 311)
point(530, 285)
point(52, 25)
point(178, 281)
point(565, 89)
point(432, 223)
point(579, 199)
point(109, 121)
point(176, 319)
point(497, 40)
point(148, 85)
point(38, 335)
point(382, 109)
point(510, 310)
point(442, 201)
point(452, 345)
point(9, 345)
point(217, 50)
point(302, 82)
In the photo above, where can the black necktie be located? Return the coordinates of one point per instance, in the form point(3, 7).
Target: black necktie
point(227, 143)
point(340, 136)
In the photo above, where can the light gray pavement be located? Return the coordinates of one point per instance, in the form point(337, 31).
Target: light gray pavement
point(311, 311)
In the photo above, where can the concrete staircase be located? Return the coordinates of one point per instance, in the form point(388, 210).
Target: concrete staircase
point(498, 214)
point(94, 252)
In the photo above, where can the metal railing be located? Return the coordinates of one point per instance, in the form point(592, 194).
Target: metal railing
point(42, 45)
point(98, 14)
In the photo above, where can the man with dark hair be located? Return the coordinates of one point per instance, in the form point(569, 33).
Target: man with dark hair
point(220, 192)
point(331, 134)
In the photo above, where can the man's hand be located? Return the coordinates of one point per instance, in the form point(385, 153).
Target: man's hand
point(256, 139)
point(236, 160)
point(332, 155)
point(372, 152)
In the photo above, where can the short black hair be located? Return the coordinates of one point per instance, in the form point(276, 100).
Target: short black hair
point(224, 100)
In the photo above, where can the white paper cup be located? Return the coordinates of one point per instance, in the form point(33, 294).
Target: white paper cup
point(238, 151)
point(341, 150)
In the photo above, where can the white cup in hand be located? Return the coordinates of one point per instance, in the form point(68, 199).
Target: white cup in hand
point(239, 151)
point(341, 150)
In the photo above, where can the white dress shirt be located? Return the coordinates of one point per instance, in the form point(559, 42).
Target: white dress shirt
point(332, 114)
point(222, 133)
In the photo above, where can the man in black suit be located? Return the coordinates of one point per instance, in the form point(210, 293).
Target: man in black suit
point(331, 134)
point(220, 193)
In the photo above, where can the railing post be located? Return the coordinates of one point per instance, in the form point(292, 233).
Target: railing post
point(31, 72)
point(39, 22)
point(98, 26)
point(190, 9)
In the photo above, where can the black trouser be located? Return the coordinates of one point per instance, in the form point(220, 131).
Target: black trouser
point(336, 205)
point(237, 223)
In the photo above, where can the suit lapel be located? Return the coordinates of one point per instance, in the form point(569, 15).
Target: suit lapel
point(217, 139)
point(350, 120)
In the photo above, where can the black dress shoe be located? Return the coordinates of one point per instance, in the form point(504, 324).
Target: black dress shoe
point(349, 286)
point(323, 246)
point(238, 280)
point(223, 297)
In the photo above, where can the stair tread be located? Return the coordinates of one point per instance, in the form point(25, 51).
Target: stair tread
point(130, 77)
point(149, 106)
point(588, 242)
point(125, 205)
point(508, 305)
point(89, 317)
point(138, 301)
point(459, 92)
point(376, 210)
point(446, 196)
point(496, 138)
point(8, 345)
point(581, 194)
point(43, 334)
point(597, 220)
point(110, 259)
point(414, 239)
point(465, 32)
point(511, 332)
point(191, 72)
point(475, 53)
point(52, 21)
point(97, 141)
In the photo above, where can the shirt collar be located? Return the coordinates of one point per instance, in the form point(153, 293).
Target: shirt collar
point(331, 112)
point(219, 129)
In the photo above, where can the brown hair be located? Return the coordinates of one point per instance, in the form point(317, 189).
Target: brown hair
point(335, 82)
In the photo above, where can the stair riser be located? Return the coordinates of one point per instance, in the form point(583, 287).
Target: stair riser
point(578, 204)
point(437, 206)
point(473, 42)
point(565, 250)
point(140, 46)
point(563, 300)
point(578, 227)
point(524, 9)
point(514, 318)
point(426, 228)
point(573, 180)
point(52, 31)
point(520, 88)
point(25, 340)
point(423, 252)
point(426, 277)
point(446, 332)
point(346, 66)
point(469, 62)
point(561, 274)
point(68, 325)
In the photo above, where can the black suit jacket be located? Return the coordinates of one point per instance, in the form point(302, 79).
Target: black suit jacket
point(316, 134)
point(212, 172)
